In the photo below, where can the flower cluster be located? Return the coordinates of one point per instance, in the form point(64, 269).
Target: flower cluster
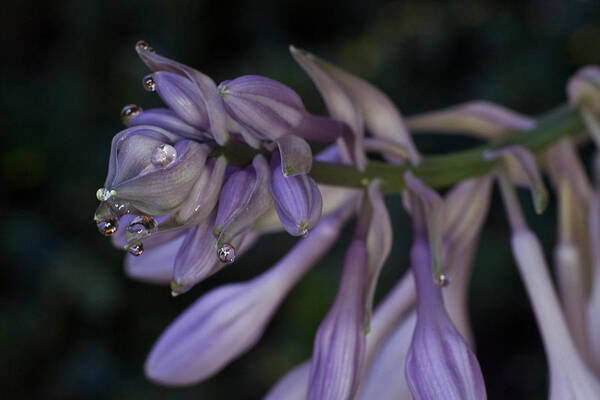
point(194, 184)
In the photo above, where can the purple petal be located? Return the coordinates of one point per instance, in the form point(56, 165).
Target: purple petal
point(205, 193)
point(183, 97)
point(340, 341)
point(380, 115)
point(167, 120)
point(197, 257)
point(340, 104)
point(297, 200)
point(227, 321)
point(439, 364)
point(266, 107)
point(156, 264)
point(480, 118)
point(208, 89)
point(244, 198)
point(158, 190)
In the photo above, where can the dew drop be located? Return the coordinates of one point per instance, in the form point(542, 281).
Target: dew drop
point(136, 249)
point(129, 111)
point(226, 254)
point(141, 224)
point(149, 83)
point(103, 194)
point(443, 280)
point(163, 155)
point(108, 226)
point(144, 46)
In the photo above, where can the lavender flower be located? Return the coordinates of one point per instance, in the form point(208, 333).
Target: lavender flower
point(244, 198)
point(357, 103)
point(339, 344)
point(226, 322)
point(570, 378)
point(297, 199)
point(439, 363)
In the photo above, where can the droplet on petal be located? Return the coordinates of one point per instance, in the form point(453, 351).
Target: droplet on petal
point(136, 249)
point(104, 194)
point(443, 280)
point(141, 225)
point(129, 111)
point(149, 83)
point(163, 155)
point(108, 226)
point(143, 45)
point(226, 254)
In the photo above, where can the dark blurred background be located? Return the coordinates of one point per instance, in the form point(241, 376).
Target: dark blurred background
point(72, 326)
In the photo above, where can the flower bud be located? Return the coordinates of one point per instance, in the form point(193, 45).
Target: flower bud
point(168, 120)
point(148, 169)
point(183, 97)
point(340, 341)
point(267, 108)
point(439, 364)
point(297, 199)
point(207, 91)
point(244, 198)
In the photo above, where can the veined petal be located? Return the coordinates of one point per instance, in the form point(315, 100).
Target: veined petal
point(297, 200)
point(183, 97)
point(159, 190)
point(197, 257)
point(480, 118)
point(208, 89)
point(266, 107)
point(167, 120)
point(244, 198)
point(227, 321)
point(340, 104)
point(439, 364)
point(380, 115)
point(340, 341)
point(204, 194)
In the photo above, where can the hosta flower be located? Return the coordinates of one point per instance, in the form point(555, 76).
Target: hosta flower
point(226, 322)
point(570, 377)
point(192, 185)
point(297, 199)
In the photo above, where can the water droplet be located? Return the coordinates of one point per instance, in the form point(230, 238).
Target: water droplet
point(443, 280)
point(163, 155)
point(144, 46)
point(103, 194)
point(129, 111)
point(304, 232)
point(149, 83)
point(141, 224)
point(174, 293)
point(226, 254)
point(108, 226)
point(136, 249)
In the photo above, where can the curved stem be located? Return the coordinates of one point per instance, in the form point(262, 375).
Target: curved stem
point(444, 170)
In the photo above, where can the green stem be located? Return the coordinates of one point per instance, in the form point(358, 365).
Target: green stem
point(444, 170)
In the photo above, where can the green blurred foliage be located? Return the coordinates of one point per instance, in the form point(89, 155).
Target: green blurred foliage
point(71, 324)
